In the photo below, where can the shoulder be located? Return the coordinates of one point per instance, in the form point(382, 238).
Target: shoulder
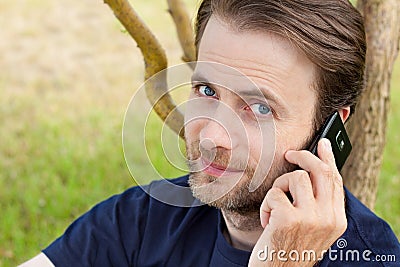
point(137, 205)
point(119, 225)
point(367, 240)
point(366, 231)
point(374, 231)
point(144, 196)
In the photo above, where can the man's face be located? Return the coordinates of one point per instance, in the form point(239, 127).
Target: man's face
point(236, 135)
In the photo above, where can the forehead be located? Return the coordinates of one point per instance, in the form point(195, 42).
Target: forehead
point(257, 46)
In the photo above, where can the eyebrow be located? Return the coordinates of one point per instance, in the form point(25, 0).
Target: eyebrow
point(248, 93)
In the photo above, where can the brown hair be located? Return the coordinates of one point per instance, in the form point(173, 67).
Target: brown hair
point(330, 33)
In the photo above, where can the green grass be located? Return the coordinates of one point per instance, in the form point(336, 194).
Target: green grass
point(51, 171)
point(63, 94)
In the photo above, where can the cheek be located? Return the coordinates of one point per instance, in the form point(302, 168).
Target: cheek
point(262, 145)
point(291, 138)
point(256, 148)
point(283, 140)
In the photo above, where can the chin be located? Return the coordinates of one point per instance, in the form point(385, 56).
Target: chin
point(206, 188)
point(231, 197)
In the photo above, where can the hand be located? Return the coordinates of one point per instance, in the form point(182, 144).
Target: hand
point(314, 220)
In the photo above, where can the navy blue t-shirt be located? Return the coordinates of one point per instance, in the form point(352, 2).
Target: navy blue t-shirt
point(133, 229)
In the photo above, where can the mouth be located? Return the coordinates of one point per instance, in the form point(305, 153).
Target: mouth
point(216, 170)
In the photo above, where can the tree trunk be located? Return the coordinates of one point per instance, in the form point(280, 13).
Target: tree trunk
point(367, 128)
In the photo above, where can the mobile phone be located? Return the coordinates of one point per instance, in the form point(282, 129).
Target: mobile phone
point(333, 129)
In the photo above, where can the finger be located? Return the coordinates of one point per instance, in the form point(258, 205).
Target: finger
point(274, 200)
point(303, 158)
point(298, 183)
point(320, 172)
point(264, 218)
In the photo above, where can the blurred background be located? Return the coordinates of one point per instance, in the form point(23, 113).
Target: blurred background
point(68, 71)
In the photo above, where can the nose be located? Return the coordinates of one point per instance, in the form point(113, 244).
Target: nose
point(215, 135)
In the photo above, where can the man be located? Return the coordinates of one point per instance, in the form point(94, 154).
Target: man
point(307, 58)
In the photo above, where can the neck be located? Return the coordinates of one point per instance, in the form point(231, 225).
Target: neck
point(243, 230)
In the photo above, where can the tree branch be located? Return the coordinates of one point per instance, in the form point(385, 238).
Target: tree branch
point(184, 29)
point(155, 61)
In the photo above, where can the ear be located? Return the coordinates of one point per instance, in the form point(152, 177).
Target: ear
point(344, 113)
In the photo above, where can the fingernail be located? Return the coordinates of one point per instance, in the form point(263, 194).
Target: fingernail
point(327, 144)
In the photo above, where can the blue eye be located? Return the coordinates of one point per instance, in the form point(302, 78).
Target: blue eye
point(206, 90)
point(260, 109)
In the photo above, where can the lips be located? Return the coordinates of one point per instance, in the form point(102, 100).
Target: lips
point(216, 170)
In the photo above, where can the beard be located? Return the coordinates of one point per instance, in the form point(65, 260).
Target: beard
point(232, 194)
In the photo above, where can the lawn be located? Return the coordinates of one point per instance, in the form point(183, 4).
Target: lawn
point(68, 73)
